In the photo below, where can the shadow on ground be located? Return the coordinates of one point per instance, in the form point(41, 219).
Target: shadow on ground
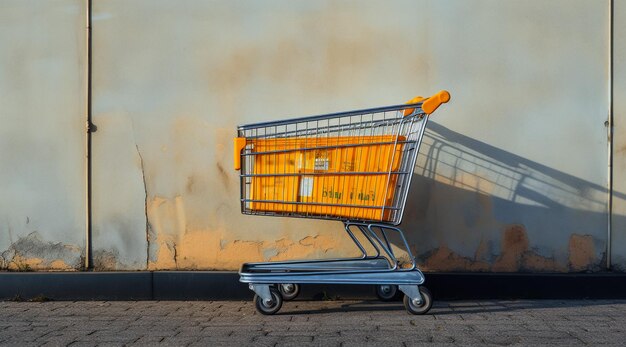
point(441, 308)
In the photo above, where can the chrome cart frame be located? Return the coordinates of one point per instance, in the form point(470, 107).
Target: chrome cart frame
point(283, 161)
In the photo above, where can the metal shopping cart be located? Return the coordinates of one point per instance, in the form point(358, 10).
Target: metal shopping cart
point(354, 167)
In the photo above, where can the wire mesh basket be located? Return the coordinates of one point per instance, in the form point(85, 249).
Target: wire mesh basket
point(346, 166)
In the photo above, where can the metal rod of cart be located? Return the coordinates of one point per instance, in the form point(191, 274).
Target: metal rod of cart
point(354, 167)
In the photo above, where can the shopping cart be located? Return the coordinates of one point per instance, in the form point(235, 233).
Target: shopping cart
point(354, 167)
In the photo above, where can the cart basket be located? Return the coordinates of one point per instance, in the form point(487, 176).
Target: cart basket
point(354, 165)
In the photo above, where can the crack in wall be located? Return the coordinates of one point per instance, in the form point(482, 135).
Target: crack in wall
point(145, 205)
point(175, 255)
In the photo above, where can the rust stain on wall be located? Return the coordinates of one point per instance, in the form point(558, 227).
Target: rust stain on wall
point(533, 262)
point(444, 259)
point(582, 255)
point(514, 246)
point(515, 254)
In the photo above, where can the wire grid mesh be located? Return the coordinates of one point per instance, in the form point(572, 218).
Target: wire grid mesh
point(353, 166)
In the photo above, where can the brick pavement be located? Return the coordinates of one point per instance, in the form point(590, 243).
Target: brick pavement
point(324, 323)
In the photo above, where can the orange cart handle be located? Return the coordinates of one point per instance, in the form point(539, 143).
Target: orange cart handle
point(431, 104)
point(240, 144)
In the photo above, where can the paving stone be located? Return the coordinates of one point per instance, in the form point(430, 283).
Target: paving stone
point(368, 344)
point(21, 344)
point(312, 323)
point(111, 344)
point(148, 340)
point(82, 344)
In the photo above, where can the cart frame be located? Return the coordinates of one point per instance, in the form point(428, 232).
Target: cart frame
point(382, 267)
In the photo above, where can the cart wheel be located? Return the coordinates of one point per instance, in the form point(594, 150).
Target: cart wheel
point(289, 291)
point(386, 292)
point(271, 307)
point(415, 307)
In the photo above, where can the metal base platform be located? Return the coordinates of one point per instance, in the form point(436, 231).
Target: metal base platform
point(311, 273)
point(381, 269)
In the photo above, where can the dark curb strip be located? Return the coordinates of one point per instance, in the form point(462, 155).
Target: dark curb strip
point(220, 285)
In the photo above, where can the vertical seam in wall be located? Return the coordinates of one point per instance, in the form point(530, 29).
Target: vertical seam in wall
point(88, 129)
point(610, 140)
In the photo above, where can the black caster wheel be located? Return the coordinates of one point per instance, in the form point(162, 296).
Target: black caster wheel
point(419, 307)
point(386, 292)
point(289, 291)
point(269, 307)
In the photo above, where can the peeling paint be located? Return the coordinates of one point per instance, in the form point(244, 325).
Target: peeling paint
point(308, 247)
point(444, 259)
point(514, 256)
point(33, 253)
point(533, 262)
point(166, 257)
point(207, 249)
point(178, 247)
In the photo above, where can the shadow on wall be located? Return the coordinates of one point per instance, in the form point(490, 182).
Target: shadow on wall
point(474, 207)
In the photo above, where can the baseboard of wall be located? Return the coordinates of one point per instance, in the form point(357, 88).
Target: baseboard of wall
point(222, 285)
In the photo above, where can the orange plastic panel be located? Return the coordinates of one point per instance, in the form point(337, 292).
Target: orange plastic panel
point(326, 186)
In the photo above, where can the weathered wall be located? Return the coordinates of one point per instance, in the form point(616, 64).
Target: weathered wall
point(619, 161)
point(42, 184)
point(514, 172)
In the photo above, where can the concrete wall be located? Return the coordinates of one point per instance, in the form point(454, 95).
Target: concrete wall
point(513, 173)
point(42, 103)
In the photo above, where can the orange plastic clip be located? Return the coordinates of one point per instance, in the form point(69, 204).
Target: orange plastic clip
point(240, 144)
